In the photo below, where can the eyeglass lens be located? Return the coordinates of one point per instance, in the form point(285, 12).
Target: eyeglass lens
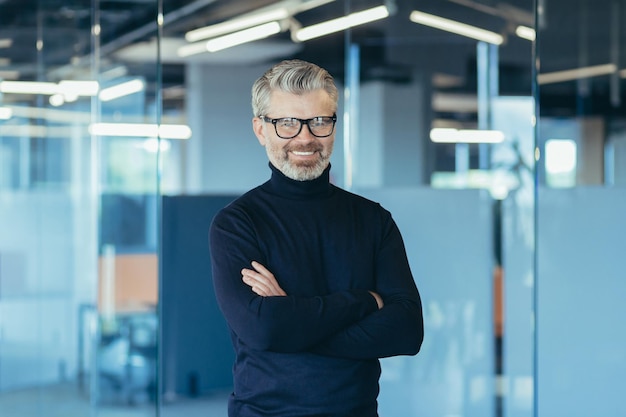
point(289, 127)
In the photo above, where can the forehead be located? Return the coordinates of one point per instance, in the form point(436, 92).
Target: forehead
point(310, 104)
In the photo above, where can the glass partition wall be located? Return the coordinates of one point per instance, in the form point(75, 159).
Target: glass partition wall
point(505, 174)
point(443, 137)
point(581, 202)
point(78, 209)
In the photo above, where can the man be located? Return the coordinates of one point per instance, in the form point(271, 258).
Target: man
point(313, 281)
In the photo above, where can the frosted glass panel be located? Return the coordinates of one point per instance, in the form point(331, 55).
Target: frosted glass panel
point(448, 237)
point(581, 309)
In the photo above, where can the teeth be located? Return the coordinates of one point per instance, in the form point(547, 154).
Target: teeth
point(302, 153)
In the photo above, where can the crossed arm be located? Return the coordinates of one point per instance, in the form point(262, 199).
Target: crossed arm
point(263, 283)
point(399, 330)
point(343, 324)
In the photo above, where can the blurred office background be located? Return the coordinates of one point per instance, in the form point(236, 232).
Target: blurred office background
point(496, 136)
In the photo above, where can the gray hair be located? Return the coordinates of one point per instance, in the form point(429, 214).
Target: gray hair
point(292, 76)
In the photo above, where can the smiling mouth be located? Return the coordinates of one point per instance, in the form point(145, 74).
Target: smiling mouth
point(301, 153)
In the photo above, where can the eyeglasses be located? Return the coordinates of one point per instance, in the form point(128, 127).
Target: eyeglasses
point(290, 127)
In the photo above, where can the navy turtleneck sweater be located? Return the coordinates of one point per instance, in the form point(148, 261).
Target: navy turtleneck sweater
point(315, 351)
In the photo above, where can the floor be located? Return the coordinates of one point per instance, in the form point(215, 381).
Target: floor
point(66, 400)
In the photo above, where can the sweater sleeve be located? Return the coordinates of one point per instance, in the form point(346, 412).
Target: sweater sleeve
point(397, 328)
point(280, 324)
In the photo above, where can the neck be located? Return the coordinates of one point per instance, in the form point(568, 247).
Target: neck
point(284, 186)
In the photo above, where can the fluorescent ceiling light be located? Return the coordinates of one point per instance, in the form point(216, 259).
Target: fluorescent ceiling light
point(230, 26)
point(37, 131)
point(140, 130)
point(576, 74)
point(78, 88)
point(66, 88)
point(247, 35)
point(456, 27)
point(5, 113)
point(6, 42)
point(28, 87)
point(230, 40)
point(121, 90)
point(443, 135)
point(278, 11)
point(342, 23)
point(192, 49)
point(174, 131)
point(525, 32)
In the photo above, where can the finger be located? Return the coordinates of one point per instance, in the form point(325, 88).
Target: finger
point(262, 285)
point(267, 288)
point(268, 279)
point(260, 291)
point(262, 269)
point(257, 287)
point(254, 276)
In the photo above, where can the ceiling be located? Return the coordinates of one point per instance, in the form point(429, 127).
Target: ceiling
point(390, 48)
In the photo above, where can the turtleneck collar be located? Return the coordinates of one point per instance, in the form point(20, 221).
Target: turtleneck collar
point(284, 186)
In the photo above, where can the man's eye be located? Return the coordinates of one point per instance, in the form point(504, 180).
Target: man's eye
point(288, 122)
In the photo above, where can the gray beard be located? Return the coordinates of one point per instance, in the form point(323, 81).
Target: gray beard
point(299, 173)
point(303, 173)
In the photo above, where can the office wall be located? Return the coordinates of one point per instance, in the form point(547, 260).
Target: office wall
point(220, 116)
point(389, 146)
point(197, 352)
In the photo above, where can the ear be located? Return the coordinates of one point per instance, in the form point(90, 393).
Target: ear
point(258, 126)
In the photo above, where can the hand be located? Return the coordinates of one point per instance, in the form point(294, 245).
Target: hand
point(262, 281)
point(378, 298)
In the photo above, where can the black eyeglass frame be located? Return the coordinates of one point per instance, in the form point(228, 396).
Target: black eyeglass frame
point(302, 123)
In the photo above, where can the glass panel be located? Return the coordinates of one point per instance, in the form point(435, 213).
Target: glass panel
point(127, 120)
point(78, 221)
point(442, 135)
point(48, 213)
point(581, 205)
